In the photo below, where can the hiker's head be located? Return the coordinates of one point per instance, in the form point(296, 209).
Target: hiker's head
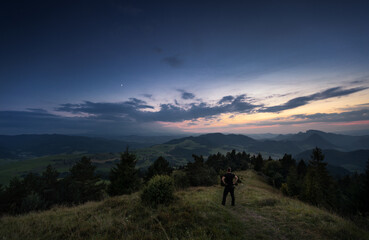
point(229, 169)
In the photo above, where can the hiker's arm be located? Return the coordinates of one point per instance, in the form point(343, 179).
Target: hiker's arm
point(223, 180)
point(235, 179)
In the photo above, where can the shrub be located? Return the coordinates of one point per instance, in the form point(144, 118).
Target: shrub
point(32, 202)
point(159, 190)
point(284, 188)
point(180, 179)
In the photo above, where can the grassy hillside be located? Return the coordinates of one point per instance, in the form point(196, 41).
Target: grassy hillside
point(261, 212)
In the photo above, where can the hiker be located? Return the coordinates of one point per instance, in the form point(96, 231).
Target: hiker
point(229, 179)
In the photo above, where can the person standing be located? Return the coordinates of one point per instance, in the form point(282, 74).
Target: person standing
point(229, 179)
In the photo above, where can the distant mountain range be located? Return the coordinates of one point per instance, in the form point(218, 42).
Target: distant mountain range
point(343, 152)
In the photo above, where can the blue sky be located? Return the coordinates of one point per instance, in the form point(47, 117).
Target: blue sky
point(163, 67)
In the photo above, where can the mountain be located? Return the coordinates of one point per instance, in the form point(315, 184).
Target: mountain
point(354, 161)
point(261, 212)
point(179, 151)
point(41, 150)
point(28, 146)
point(214, 140)
point(339, 141)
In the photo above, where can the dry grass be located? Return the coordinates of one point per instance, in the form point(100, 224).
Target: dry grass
point(261, 212)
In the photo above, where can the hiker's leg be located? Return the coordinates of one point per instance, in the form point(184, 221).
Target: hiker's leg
point(225, 193)
point(232, 195)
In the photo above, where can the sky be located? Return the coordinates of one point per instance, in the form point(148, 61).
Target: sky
point(181, 67)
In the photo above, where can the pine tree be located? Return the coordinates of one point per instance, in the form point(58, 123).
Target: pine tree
point(50, 186)
point(293, 182)
point(366, 188)
point(83, 182)
point(301, 169)
point(286, 163)
point(318, 185)
point(124, 177)
point(258, 163)
point(199, 174)
point(159, 167)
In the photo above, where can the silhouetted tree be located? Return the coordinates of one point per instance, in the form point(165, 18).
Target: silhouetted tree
point(159, 167)
point(317, 186)
point(50, 186)
point(216, 161)
point(272, 169)
point(83, 183)
point(366, 188)
point(199, 174)
point(293, 182)
point(301, 169)
point(14, 194)
point(258, 163)
point(286, 163)
point(124, 176)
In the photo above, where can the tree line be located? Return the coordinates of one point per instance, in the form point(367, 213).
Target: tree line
point(312, 183)
point(309, 182)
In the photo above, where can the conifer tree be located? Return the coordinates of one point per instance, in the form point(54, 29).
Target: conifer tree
point(83, 182)
point(159, 167)
point(258, 163)
point(301, 169)
point(50, 188)
point(199, 174)
point(293, 182)
point(317, 185)
point(124, 177)
point(366, 187)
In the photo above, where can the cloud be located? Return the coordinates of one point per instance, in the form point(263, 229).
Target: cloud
point(103, 108)
point(349, 116)
point(28, 122)
point(136, 116)
point(173, 61)
point(226, 99)
point(186, 95)
point(300, 101)
point(134, 110)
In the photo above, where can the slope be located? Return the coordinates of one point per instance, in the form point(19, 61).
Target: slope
point(261, 212)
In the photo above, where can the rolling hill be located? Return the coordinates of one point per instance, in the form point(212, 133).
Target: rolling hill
point(261, 212)
point(19, 154)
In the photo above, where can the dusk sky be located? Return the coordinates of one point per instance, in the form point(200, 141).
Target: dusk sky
point(174, 67)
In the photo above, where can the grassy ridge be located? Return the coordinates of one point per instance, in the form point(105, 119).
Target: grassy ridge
point(261, 212)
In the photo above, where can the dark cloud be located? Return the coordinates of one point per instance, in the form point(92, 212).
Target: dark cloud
point(173, 61)
point(300, 101)
point(186, 95)
point(133, 110)
point(226, 99)
point(349, 116)
point(27, 122)
point(360, 115)
point(105, 109)
point(136, 116)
